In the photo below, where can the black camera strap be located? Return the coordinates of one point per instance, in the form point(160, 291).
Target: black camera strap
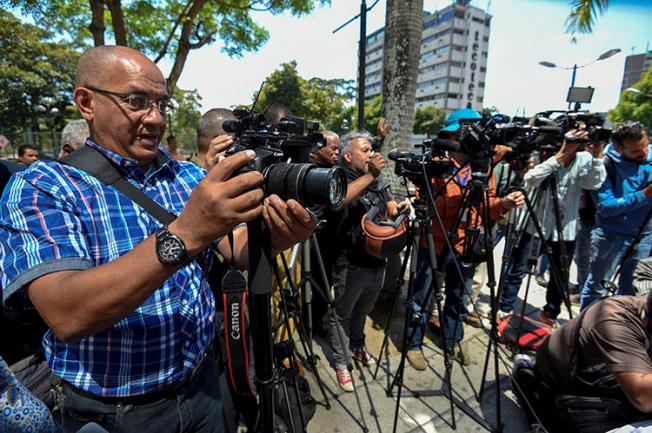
point(234, 283)
point(234, 298)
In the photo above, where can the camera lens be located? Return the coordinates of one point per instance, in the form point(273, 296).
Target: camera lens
point(307, 183)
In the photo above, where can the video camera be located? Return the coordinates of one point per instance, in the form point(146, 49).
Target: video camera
point(594, 123)
point(430, 163)
point(282, 152)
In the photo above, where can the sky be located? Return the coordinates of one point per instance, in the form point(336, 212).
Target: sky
point(523, 33)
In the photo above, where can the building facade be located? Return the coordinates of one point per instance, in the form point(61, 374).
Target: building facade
point(453, 63)
point(635, 66)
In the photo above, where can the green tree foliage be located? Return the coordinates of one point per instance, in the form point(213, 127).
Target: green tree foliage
point(635, 107)
point(162, 28)
point(183, 118)
point(327, 101)
point(582, 16)
point(37, 75)
point(429, 120)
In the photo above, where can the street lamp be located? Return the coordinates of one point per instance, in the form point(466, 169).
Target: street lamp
point(638, 92)
point(602, 56)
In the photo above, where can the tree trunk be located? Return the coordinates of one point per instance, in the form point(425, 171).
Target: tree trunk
point(118, 21)
point(97, 23)
point(184, 46)
point(403, 27)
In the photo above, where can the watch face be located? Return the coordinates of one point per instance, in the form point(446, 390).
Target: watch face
point(170, 249)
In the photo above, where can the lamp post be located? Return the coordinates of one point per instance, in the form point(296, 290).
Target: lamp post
point(602, 56)
point(638, 92)
point(362, 56)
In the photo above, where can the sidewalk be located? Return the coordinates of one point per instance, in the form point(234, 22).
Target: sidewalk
point(424, 405)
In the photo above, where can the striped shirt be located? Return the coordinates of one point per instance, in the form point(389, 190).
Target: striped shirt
point(55, 217)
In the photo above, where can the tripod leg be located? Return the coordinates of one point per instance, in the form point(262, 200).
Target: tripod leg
point(309, 354)
point(397, 292)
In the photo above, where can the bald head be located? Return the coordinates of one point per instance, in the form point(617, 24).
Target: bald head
point(98, 65)
point(122, 95)
point(210, 126)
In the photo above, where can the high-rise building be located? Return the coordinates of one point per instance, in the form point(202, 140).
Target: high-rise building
point(635, 66)
point(453, 63)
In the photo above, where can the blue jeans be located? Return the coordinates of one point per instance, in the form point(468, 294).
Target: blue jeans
point(607, 250)
point(456, 290)
point(515, 272)
point(196, 407)
point(583, 253)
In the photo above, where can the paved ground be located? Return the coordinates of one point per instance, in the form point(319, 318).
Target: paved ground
point(424, 405)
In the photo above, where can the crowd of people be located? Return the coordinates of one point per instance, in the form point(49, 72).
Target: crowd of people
point(131, 314)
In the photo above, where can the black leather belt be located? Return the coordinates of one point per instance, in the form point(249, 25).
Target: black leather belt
point(168, 391)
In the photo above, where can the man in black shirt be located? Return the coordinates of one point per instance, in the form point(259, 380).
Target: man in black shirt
point(357, 276)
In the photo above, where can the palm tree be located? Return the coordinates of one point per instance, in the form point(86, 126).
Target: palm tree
point(583, 14)
point(403, 27)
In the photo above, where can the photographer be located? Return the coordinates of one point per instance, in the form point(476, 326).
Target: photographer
point(328, 153)
point(131, 313)
point(448, 205)
point(212, 139)
point(574, 169)
point(357, 276)
point(597, 368)
point(623, 204)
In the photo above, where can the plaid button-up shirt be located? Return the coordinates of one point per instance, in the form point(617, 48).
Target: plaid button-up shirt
point(55, 217)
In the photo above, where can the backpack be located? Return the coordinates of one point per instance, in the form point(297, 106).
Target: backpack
point(532, 332)
point(306, 404)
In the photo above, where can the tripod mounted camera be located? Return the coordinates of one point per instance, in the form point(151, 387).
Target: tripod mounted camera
point(422, 169)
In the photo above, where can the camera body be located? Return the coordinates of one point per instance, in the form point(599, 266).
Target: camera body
point(429, 164)
point(282, 152)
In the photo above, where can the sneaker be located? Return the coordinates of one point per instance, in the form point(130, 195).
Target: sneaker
point(541, 280)
point(461, 356)
point(549, 321)
point(362, 355)
point(472, 319)
point(416, 359)
point(502, 315)
point(344, 379)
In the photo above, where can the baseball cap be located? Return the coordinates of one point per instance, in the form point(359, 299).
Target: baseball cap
point(453, 122)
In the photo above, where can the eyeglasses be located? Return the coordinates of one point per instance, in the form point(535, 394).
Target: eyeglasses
point(137, 102)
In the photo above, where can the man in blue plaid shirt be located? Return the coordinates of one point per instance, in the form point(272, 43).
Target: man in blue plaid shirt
point(131, 319)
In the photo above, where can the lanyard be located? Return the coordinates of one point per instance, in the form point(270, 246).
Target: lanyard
point(461, 182)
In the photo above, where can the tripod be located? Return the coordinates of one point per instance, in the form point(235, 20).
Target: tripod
point(422, 227)
point(515, 231)
point(629, 253)
point(308, 282)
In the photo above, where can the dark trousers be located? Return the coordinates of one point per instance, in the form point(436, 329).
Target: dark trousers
point(195, 407)
point(516, 271)
point(454, 310)
point(356, 290)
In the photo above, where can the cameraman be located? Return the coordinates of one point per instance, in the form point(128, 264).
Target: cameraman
point(574, 170)
point(328, 153)
point(212, 139)
point(357, 276)
point(623, 204)
point(448, 205)
point(596, 369)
